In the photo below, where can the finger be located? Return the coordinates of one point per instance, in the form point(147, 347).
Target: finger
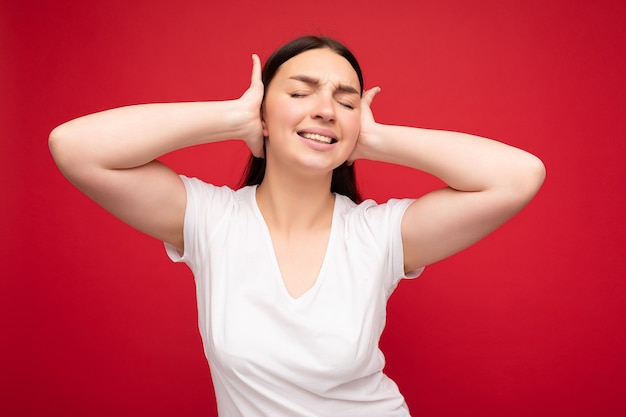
point(369, 95)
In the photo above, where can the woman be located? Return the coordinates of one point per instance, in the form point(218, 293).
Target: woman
point(292, 275)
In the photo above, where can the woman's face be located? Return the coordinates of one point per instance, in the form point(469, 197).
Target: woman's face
point(312, 111)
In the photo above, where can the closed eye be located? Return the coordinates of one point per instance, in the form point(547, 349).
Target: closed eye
point(346, 99)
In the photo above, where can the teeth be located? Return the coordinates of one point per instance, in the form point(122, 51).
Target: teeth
point(316, 137)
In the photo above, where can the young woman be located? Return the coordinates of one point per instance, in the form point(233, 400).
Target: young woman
point(292, 271)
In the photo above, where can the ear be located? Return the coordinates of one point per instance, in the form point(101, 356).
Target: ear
point(263, 124)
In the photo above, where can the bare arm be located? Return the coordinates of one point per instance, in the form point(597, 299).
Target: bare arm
point(488, 182)
point(111, 155)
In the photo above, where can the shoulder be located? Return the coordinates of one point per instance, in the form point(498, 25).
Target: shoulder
point(201, 191)
point(373, 231)
point(370, 217)
point(371, 210)
point(209, 205)
point(211, 210)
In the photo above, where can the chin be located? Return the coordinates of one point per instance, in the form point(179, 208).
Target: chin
point(321, 164)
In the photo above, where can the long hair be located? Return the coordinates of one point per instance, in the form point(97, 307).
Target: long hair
point(344, 178)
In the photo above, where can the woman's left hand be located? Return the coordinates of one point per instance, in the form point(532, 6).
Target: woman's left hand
point(367, 135)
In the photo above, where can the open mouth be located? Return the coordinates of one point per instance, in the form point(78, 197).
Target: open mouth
point(317, 138)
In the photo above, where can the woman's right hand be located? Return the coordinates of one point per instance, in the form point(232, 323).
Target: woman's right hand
point(250, 103)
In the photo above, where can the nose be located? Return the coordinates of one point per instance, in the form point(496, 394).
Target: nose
point(324, 107)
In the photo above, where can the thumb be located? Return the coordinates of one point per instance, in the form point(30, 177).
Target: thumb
point(256, 70)
point(369, 95)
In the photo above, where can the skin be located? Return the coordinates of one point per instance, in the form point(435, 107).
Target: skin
point(318, 92)
point(111, 157)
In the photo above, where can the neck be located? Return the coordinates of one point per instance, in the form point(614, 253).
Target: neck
point(295, 202)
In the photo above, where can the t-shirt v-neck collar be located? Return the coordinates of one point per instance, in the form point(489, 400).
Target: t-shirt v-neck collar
point(274, 259)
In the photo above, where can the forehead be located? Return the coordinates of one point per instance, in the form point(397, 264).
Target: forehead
point(322, 64)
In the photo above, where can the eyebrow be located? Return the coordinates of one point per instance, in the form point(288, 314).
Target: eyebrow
point(315, 82)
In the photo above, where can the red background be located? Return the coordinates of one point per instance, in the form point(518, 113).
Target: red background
point(530, 322)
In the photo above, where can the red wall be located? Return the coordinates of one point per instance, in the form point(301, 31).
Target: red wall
point(530, 322)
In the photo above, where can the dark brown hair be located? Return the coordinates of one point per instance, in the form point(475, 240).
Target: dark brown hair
point(344, 179)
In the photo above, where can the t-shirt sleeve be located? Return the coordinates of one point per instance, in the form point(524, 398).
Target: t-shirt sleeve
point(396, 209)
point(384, 222)
point(205, 209)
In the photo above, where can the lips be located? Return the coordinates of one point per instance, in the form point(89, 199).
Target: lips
point(317, 137)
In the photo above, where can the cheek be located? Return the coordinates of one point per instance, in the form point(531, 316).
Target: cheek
point(280, 114)
point(352, 126)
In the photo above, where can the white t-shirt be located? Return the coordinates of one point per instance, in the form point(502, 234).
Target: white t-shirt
point(274, 355)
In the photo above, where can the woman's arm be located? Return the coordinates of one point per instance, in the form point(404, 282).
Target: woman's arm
point(488, 182)
point(111, 155)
